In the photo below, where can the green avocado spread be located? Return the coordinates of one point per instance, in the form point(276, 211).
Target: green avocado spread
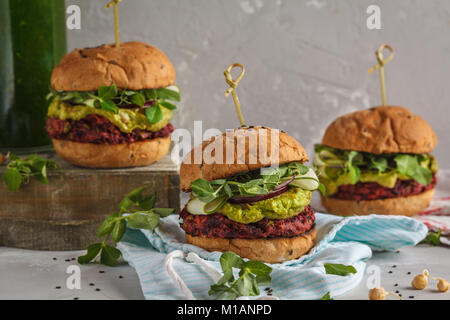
point(286, 205)
point(387, 180)
point(126, 120)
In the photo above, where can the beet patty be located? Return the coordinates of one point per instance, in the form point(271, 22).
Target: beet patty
point(219, 226)
point(373, 191)
point(98, 130)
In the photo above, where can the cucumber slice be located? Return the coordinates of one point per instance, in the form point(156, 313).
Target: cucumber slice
point(328, 158)
point(308, 181)
point(197, 207)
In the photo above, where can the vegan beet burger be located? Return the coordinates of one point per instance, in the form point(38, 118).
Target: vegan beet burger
point(111, 106)
point(255, 207)
point(377, 161)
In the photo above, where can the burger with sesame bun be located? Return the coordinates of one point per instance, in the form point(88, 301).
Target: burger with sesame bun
point(377, 161)
point(256, 203)
point(111, 106)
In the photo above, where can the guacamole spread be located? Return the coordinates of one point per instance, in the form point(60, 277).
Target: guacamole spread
point(126, 120)
point(286, 205)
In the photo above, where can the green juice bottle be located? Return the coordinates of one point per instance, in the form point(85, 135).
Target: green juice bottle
point(32, 41)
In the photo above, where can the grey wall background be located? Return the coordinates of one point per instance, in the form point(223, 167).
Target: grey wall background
point(306, 61)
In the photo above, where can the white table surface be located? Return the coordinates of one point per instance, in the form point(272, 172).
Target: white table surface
point(27, 274)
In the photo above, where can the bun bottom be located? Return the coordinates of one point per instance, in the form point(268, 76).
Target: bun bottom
point(407, 206)
point(122, 155)
point(274, 250)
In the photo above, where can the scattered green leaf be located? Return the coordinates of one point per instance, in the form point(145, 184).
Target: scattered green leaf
point(136, 210)
point(433, 238)
point(338, 269)
point(252, 274)
point(326, 296)
point(19, 171)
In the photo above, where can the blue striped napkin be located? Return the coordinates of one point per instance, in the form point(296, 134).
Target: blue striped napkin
point(348, 241)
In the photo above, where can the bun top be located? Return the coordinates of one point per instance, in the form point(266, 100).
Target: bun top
point(381, 130)
point(239, 151)
point(134, 66)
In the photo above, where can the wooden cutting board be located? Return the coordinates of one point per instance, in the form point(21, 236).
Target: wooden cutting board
point(65, 214)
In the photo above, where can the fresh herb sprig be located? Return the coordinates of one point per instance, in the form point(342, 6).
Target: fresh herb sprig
point(246, 184)
point(19, 171)
point(252, 274)
point(136, 211)
point(433, 238)
point(110, 99)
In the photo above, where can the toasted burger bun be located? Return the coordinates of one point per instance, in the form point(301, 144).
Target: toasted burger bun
point(381, 130)
point(134, 66)
point(272, 250)
point(406, 206)
point(289, 151)
point(123, 155)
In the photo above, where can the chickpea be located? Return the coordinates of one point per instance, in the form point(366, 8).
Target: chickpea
point(377, 294)
point(442, 285)
point(420, 281)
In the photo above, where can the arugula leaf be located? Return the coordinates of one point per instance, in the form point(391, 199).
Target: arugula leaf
point(135, 210)
point(252, 274)
point(19, 171)
point(338, 269)
point(433, 238)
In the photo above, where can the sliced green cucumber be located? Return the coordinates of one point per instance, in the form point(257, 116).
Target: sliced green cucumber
point(197, 207)
point(308, 181)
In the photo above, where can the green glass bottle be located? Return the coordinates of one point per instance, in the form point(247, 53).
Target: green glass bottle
point(32, 41)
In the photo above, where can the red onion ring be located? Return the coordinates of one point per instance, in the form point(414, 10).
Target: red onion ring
point(282, 188)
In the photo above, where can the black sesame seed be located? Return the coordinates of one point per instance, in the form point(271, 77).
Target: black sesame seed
point(97, 289)
point(54, 259)
point(120, 277)
point(67, 260)
point(411, 297)
point(73, 259)
point(57, 287)
point(101, 271)
point(396, 285)
point(91, 284)
point(269, 294)
point(76, 298)
point(409, 273)
point(390, 271)
point(396, 291)
point(267, 289)
point(400, 294)
point(394, 266)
